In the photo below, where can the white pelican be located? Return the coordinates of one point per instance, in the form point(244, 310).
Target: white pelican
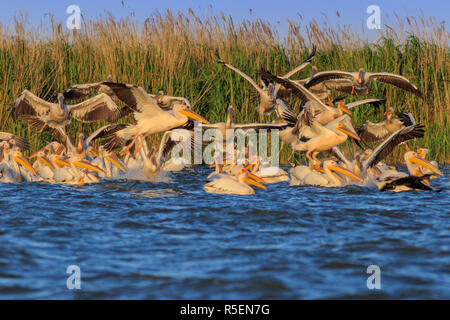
point(10, 168)
point(268, 93)
point(53, 117)
point(231, 185)
point(44, 166)
point(372, 132)
point(416, 180)
point(316, 138)
point(303, 175)
point(20, 142)
point(149, 116)
point(359, 83)
point(422, 152)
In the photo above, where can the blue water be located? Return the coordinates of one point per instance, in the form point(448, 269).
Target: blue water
point(139, 240)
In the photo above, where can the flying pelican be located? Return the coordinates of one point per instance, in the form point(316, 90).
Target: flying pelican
point(372, 132)
point(267, 94)
point(53, 117)
point(315, 138)
point(359, 83)
point(149, 116)
point(239, 186)
point(416, 180)
point(303, 175)
point(81, 91)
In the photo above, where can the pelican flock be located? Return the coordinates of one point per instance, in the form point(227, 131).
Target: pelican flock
point(319, 130)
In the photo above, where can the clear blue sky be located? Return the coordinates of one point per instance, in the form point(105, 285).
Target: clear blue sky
point(274, 11)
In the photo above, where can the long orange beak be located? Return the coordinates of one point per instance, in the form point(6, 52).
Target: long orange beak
point(347, 131)
point(194, 115)
point(115, 161)
point(19, 159)
point(345, 172)
point(46, 162)
point(88, 166)
point(424, 163)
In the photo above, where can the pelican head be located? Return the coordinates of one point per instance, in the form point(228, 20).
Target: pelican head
point(252, 179)
point(389, 112)
point(361, 75)
point(61, 100)
point(110, 78)
point(413, 158)
point(185, 111)
point(342, 128)
point(343, 109)
point(422, 152)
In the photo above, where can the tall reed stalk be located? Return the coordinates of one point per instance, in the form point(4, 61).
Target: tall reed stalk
point(175, 53)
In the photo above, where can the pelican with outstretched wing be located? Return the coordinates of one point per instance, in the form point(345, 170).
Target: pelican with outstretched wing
point(359, 83)
point(53, 117)
point(150, 118)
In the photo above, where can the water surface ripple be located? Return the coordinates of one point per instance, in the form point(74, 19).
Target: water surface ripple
point(139, 240)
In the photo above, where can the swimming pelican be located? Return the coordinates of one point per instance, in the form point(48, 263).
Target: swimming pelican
point(239, 186)
point(359, 83)
point(53, 117)
point(149, 116)
point(10, 168)
point(303, 175)
point(416, 180)
point(20, 142)
point(422, 152)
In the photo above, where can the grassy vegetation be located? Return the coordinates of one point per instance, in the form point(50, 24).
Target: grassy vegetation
point(175, 53)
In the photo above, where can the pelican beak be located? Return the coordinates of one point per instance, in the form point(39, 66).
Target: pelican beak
point(256, 181)
point(255, 177)
point(346, 110)
point(61, 163)
point(193, 115)
point(46, 162)
point(87, 165)
point(115, 161)
point(25, 163)
point(345, 172)
point(424, 163)
point(347, 131)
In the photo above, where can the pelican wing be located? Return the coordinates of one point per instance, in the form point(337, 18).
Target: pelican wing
point(285, 112)
point(385, 148)
point(297, 89)
point(407, 119)
point(133, 96)
point(374, 102)
point(29, 104)
point(20, 142)
point(36, 122)
point(183, 138)
point(397, 81)
point(80, 91)
point(242, 74)
point(304, 64)
point(372, 132)
point(328, 75)
point(100, 107)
